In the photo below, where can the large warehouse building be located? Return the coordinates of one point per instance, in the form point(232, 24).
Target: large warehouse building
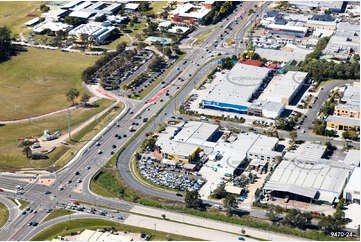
point(309, 181)
point(236, 88)
point(283, 88)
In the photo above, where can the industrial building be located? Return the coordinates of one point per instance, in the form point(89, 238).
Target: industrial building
point(321, 181)
point(306, 152)
point(189, 13)
point(342, 123)
point(346, 40)
point(352, 190)
point(352, 158)
point(291, 30)
point(284, 87)
point(182, 143)
point(97, 31)
point(334, 6)
point(264, 149)
point(351, 94)
point(236, 88)
point(266, 109)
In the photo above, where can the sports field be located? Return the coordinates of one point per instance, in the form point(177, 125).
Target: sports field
point(35, 82)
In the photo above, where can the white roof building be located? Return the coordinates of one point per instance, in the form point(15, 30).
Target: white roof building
point(351, 94)
point(177, 29)
point(352, 189)
point(131, 6)
point(32, 21)
point(53, 26)
point(322, 181)
point(352, 158)
point(94, 30)
point(284, 87)
point(189, 10)
point(237, 86)
point(307, 152)
point(264, 148)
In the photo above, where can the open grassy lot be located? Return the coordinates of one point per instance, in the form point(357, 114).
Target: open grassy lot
point(65, 228)
point(157, 6)
point(11, 155)
point(113, 44)
point(15, 14)
point(35, 82)
point(4, 214)
point(57, 213)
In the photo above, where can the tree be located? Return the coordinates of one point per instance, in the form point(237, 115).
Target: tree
point(5, 44)
point(272, 215)
point(293, 135)
point(72, 94)
point(298, 219)
point(143, 6)
point(333, 223)
point(85, 98)
point(100, 18)
point(220, 192)
point(350, 134)
point(27, 151)
point(72, 20)
point(192, 200)
point(44, 8)
point(230, 203)
point(227, 63)
point(156, 63)
point(121, 47)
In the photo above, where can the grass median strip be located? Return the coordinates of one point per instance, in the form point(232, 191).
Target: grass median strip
point(23, 203)
point(66, 228)
point(57, 213)
point(4, 214)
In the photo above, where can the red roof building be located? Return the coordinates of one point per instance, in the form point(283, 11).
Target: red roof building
point(251, 62)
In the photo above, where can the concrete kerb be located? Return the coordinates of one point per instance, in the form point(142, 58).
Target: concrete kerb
point(96, 137)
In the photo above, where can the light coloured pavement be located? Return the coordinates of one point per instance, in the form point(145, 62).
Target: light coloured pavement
point(227, 227)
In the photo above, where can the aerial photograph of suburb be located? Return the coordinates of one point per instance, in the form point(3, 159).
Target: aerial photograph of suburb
point(180, 120)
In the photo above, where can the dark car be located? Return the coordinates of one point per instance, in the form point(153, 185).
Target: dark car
point(179, 194)
point(114, 146)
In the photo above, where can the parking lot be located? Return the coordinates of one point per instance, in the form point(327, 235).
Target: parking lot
point(170, 176)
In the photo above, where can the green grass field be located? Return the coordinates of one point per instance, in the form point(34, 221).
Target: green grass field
point(35, 82)
point(57, 213)
point(11, 155)
point(15, 14)
point(4, 214)
point(157, 6)
point(65, 228)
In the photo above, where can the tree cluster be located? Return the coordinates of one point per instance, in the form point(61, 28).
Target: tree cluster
point(319, 127)
point(219, 192)
point(72, 20)
point(227, 63)
point(285, 124)
point(321, 70)
point(297, 219)
point(351, 134)
point(219, 11)
point(334, 223)
point(193, 200)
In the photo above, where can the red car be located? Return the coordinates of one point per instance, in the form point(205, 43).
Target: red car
point(1, 190)
point(217, 121)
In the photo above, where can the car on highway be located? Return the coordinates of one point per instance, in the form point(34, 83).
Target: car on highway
point(1, 190)
point(114, 146)
point(60, 188)
point(77, 173)
point(100, 152)
point(23, 212)
point(120, 218)
point(32, 223)
point(49, 210)
point(179, 194)
point(47, 192)
point(124, 135)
